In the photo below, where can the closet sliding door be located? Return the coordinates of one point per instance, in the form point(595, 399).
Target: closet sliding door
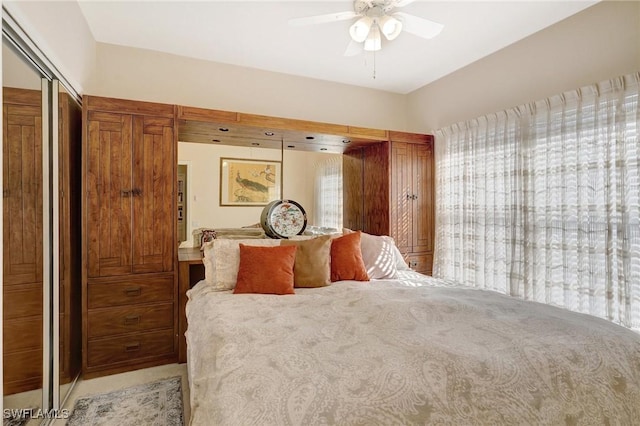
point(24, 315)
point(42, 125)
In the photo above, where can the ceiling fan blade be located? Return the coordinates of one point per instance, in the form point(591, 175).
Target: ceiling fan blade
point(353, 49)
point(322, 19)
point(418, 26)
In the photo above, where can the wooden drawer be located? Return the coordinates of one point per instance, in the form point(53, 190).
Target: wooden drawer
point(22, 301)
point(22, 334)
point(421, 262)
point(21, 366)
point(126, 319)
point(130, 291)
point(131, 347)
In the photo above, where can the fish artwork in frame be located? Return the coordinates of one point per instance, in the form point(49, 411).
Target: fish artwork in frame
point(247, 182)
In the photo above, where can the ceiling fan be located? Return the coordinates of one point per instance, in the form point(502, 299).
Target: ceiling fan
point(375, 18)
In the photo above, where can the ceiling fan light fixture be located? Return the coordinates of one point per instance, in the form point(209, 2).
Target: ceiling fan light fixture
point(390, 27)
point(373, 43)
point(360, 29)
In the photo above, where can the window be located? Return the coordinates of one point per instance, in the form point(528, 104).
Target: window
point(542, 201)
point(328, 188)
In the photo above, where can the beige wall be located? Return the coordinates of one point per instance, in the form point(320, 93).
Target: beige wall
point(596, 44)
point(16, 72)
point(132, 73)
point(60, 31)
point(204, 173)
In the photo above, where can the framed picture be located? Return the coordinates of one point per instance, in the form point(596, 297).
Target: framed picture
point(249, 182)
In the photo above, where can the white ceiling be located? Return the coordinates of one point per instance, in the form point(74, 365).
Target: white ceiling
point(256, 35)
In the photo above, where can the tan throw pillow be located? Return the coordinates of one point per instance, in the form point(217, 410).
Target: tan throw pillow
point(378, 255)
point(312, 266)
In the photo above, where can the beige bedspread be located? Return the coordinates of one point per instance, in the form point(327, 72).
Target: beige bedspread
point(391, 353)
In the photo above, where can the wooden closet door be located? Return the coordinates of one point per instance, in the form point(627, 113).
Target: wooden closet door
point(401, 196)
point(109, 194)
point(153, 205)
point(22, 189)
point(423, 203)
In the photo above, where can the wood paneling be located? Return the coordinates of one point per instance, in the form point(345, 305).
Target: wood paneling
point(389, 190)
point(376, 189)
point(130, 282)
point(22, 239)
point(22, 301)
point(353, 189)
point(29, 331)
point(130, 194)
point(22, 189)
point(125, 106)
point(206, 115)
point(152, 195)
point(70, 149)
point(423, 209)
point(22, 371)
point(418, 138)
point(412, 199)
point(401, 193)
point(239, 129)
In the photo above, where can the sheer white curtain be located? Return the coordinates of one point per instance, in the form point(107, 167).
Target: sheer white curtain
point(328, 193)
point(543, 201)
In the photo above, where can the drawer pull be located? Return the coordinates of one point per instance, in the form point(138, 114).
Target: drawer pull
point(132, 347)
point(134, 291)
point(132, 320)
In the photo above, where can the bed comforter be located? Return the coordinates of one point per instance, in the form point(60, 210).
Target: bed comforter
point(415, 350)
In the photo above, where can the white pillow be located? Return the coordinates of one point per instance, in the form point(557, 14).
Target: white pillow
point(401, 264)
point(378, 254)
point(222, 260)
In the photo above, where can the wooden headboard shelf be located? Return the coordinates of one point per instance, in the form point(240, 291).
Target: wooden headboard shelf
point(234, 128)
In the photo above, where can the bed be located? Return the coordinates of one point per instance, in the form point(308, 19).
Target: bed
point(404, 350)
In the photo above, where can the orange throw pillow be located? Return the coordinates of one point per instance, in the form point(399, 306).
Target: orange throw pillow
point(346, 259)
point(266, 270)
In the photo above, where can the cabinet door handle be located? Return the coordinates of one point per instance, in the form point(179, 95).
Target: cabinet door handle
point(132, 320)
point(414, 197)
point(136, 192)
point(134, 291)
point(132, 347)
point(408, 196)
point(125, 193)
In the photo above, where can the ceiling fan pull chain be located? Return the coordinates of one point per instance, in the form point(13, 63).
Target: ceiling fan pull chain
point(374, 64)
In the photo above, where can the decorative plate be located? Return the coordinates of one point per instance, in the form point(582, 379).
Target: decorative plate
point(283, 219)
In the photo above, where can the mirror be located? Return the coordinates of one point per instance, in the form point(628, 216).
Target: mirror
point(22, 232)
point(200, 165)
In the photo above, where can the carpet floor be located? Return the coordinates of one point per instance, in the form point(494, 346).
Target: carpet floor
point(153, 404)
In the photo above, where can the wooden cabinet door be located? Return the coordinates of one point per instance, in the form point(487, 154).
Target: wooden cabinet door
point(422, 214)
point(22, 188)
point(153, 203)
point(130, 175)
point(109, 194)
point(401, 196)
